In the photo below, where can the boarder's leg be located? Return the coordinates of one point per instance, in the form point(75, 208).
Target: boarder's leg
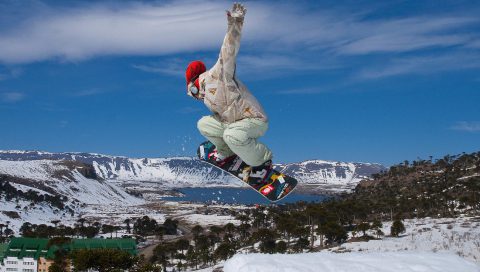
point(213, 130)
point(241, 137)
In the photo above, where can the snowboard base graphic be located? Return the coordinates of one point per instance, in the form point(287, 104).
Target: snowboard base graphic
point(270, 183)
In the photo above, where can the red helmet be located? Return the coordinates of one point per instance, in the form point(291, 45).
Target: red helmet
point(194, 69)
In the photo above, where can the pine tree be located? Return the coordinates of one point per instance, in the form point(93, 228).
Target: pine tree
point(363, 227)
point(281, 247)
point(377, 227)
point(127, 223)
point(182, 245)
point(397, 228)
point(224, 251)
point(334, 233)
point(170, 226)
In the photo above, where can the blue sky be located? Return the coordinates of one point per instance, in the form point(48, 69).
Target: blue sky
point(340, 80)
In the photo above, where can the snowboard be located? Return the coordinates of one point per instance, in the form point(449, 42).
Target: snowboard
point(268, 182)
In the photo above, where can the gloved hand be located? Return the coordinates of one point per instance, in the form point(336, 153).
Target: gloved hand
point(238, 11)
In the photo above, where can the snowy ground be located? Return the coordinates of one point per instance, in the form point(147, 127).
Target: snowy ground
point(348, 262)
point(188, 212)
point(38, 214)
point(444, 244)
point(460, 236)
point(115, 214)
point(209, 220)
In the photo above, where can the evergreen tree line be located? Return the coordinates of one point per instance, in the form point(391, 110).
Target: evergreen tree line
point(142, 227)
point(446, 187)
point(99, 259)
point(291, 228)
point(10, 193)
point(102, 260)
point(145, 226)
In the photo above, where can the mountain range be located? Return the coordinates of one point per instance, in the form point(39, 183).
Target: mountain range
point(176, 172)
point(40, 186)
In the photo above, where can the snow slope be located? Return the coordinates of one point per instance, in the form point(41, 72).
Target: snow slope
point(39, 214)
point(349, 262)
point(329, 176)
point(318, 171)
point(460, 236)
point(167, 172)
point(49, 176)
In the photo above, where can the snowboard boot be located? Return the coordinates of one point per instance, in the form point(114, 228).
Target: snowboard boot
point(220, 160)
point(258, 173)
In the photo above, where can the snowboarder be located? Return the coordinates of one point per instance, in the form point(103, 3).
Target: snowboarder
point(238, 118)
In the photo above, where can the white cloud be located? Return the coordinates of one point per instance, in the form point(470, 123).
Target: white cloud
point(157, 69)
point(403, 35)
point(160, 28)
point(99, 29)
point(320, 87)
point(173, 67)
point(421, 65)
point(473, 126)
point(265, 63)
point(12, 97)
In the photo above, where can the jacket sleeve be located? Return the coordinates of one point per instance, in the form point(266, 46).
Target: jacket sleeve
point(226, 63)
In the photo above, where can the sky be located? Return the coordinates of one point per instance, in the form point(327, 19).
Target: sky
point(369, 81)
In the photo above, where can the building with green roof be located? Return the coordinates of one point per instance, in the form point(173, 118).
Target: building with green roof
point(36, 254)
point(126, 244)
point(3, 249)
point(27, 247)
point(22, 254)
point(39, 247)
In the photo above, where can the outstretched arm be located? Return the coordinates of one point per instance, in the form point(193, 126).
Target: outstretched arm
point(225, 66)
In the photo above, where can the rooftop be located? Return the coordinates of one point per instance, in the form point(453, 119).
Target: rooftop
point(39, 247)
point(3, 249)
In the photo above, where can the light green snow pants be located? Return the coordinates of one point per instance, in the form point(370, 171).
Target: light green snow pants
point(237, 138)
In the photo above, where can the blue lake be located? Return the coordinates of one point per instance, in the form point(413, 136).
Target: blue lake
point(238, 196)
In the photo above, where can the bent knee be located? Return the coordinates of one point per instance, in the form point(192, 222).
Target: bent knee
point(203, 124)
point(235, 137)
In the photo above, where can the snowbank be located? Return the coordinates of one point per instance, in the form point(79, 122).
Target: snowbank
point(348, 262)
point(460, 236)
point(209, 220)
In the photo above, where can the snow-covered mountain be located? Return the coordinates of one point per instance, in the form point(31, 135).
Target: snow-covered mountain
point(328, 176)
point(74, 180)
point(316, 171)
point(183, 171)
point(39, 191)
point(166, 172)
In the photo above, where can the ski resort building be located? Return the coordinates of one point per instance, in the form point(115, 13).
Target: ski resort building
point(25, 254)
point(37, 255)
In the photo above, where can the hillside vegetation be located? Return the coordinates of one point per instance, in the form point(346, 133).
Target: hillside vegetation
point(445, 188)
